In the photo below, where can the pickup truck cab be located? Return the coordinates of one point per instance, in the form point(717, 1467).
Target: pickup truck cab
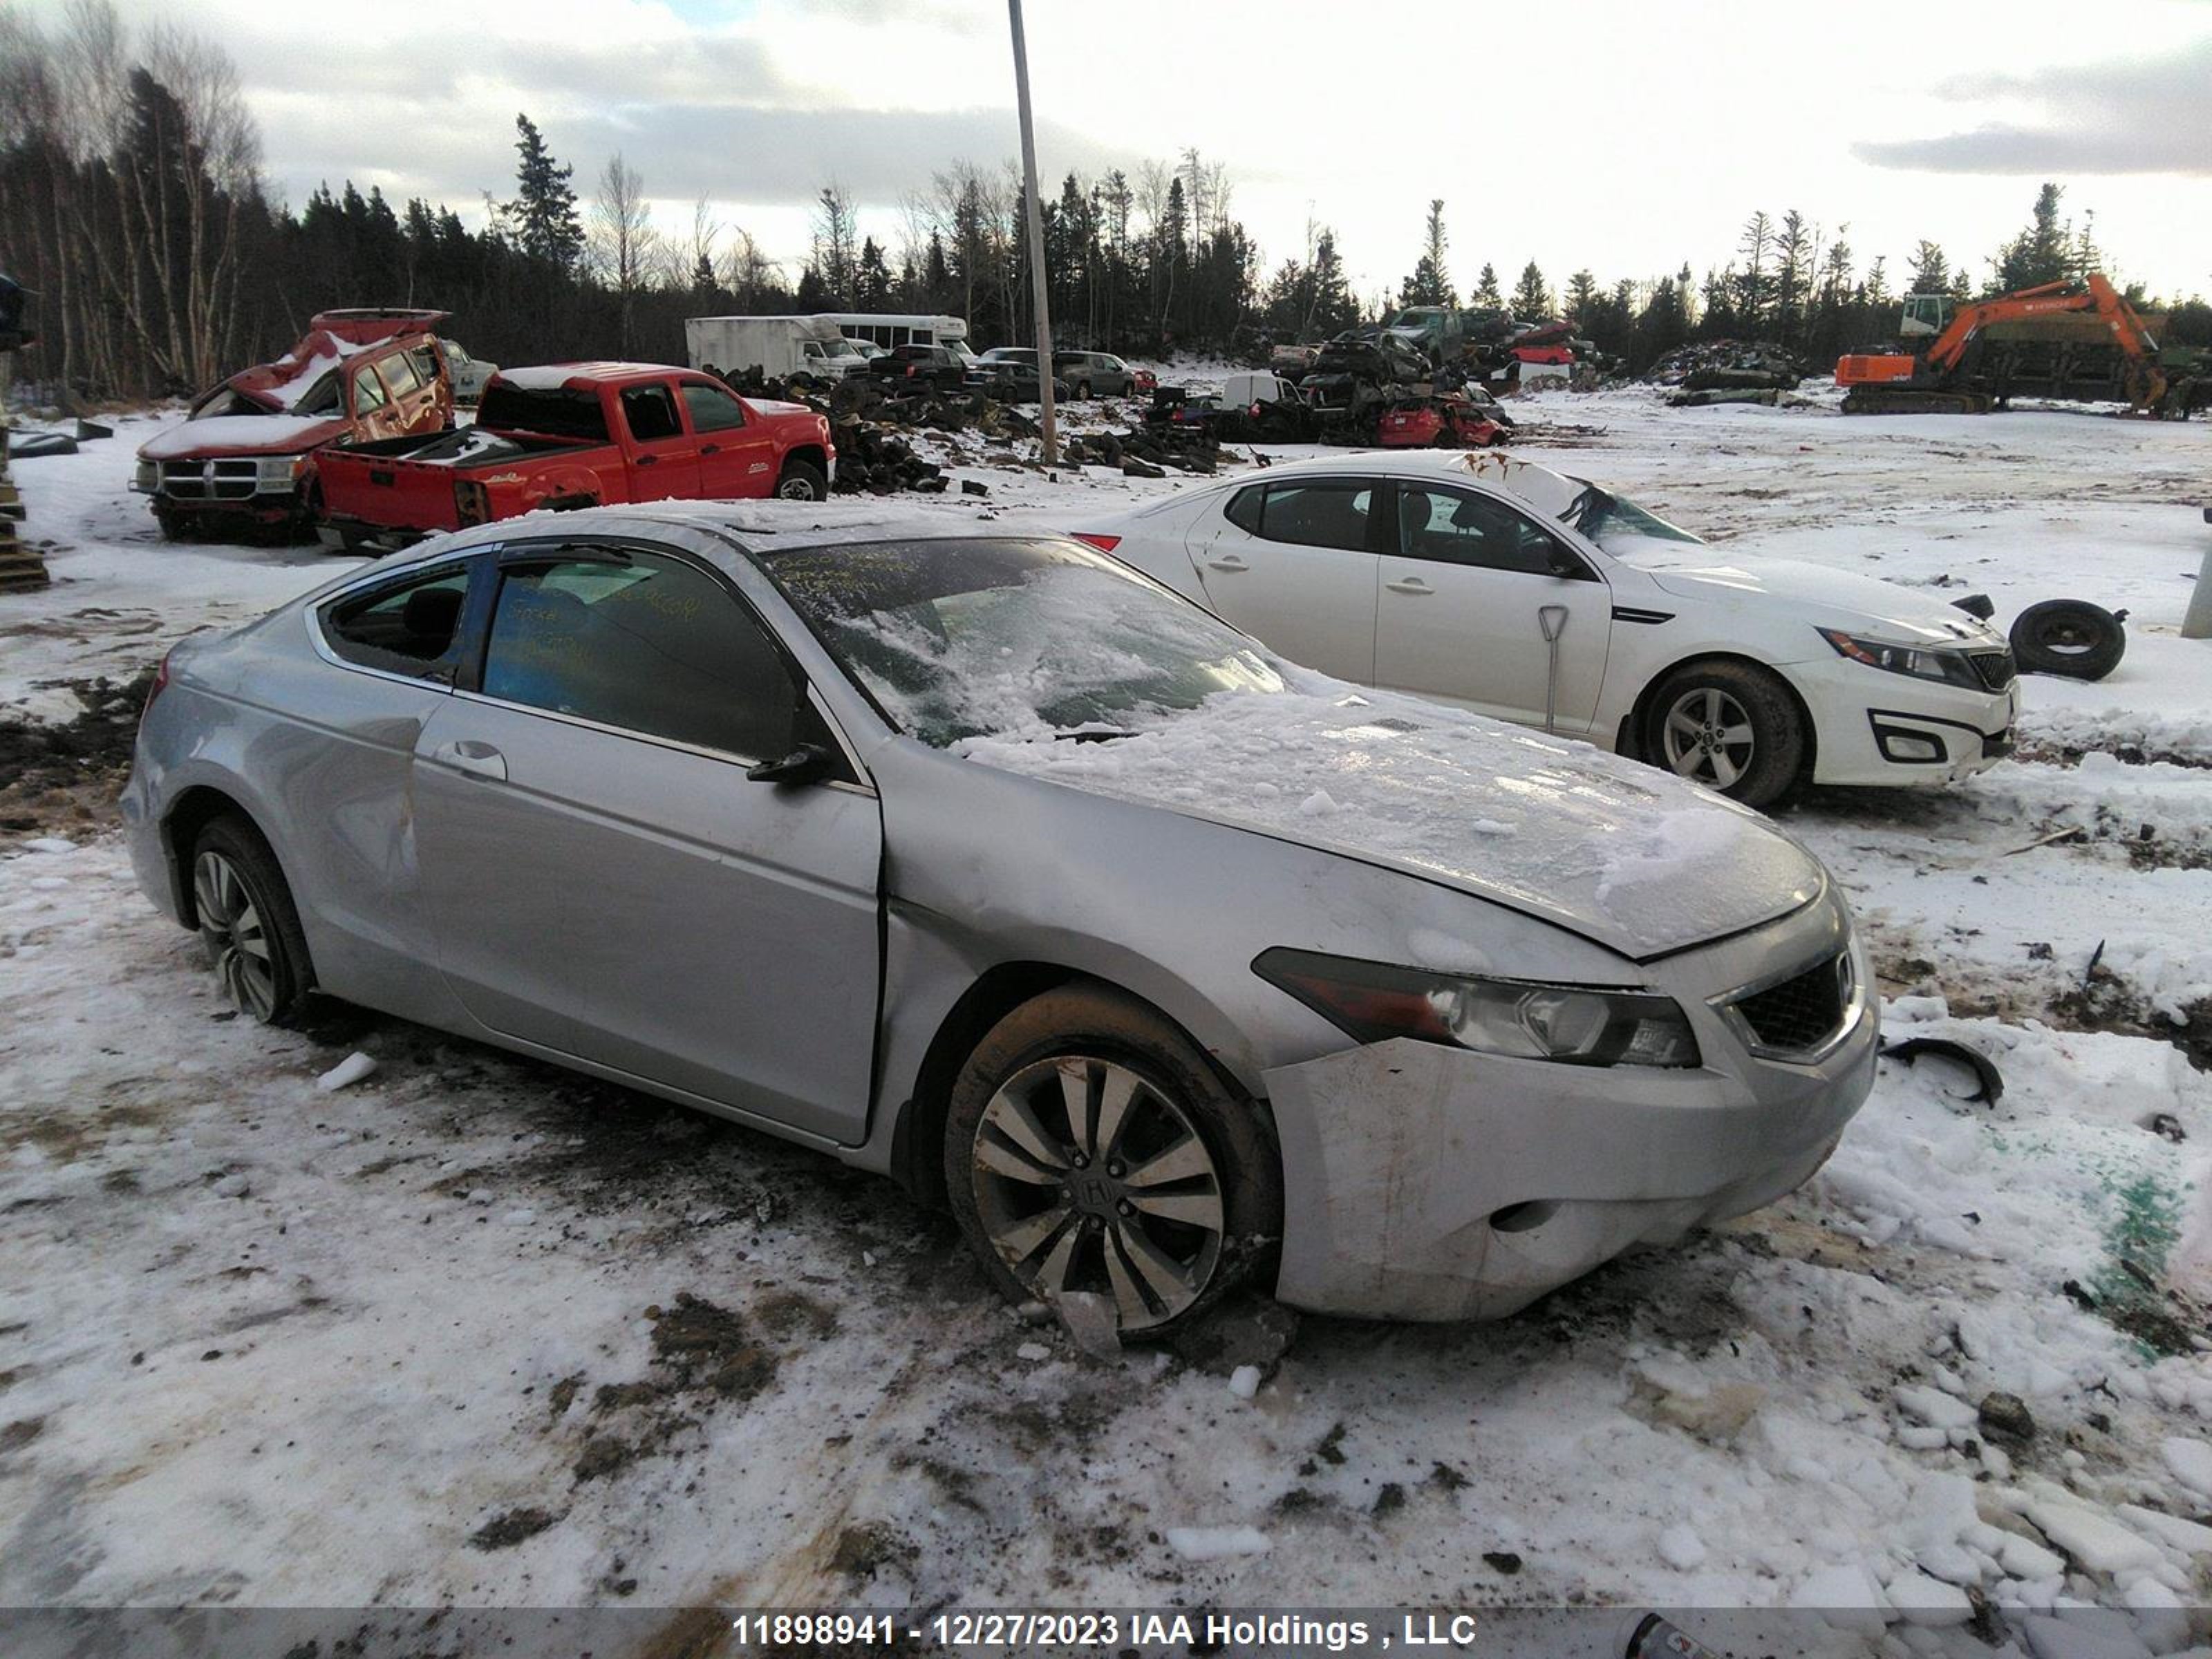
point(577, 435)
point(245, 458)
point(938, 366)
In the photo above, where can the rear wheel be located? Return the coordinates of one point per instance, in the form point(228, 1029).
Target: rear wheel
point(1083, 389)
point(802, 480)
point(1730, 725)
point(1089, 1147)
point(247, 924)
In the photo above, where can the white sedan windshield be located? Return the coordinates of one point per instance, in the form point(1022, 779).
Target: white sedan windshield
point(1619, 525)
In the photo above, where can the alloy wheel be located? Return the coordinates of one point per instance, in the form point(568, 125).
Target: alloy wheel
point(1708, 737)
point(795, 489)
point(1087, 1178)
point(237, 938)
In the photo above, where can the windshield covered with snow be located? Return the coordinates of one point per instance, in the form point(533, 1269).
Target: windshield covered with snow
point(1023, 639)
point(1619, 525)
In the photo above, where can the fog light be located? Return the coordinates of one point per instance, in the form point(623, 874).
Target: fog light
point(1909, 748)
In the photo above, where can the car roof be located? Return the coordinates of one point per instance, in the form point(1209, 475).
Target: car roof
point(761, 526)
point(1547, 491)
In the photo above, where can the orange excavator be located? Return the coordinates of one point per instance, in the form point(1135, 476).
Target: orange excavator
point(2061, 340)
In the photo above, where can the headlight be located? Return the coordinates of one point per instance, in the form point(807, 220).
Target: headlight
point(148, 478)
point(279, 471)
point(1915, 660)
point(1576, 1025)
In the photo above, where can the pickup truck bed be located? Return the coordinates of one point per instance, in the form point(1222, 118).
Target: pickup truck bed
point(575, 435)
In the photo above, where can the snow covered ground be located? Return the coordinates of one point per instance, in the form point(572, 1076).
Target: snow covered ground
point(470, 1330)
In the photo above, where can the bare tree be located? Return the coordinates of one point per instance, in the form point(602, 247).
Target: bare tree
point(623, 239)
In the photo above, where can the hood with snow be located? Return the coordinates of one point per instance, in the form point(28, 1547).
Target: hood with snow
point(1636, 859)
point(245, 435)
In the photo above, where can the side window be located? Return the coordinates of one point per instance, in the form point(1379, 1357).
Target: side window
point(713, 410)
point(367, 391)
point(1244, 508)
point(399, 376)
point(646, 643)
point(409, 627)
point(1448, 527)
point(1319, 514)
point(651, 413)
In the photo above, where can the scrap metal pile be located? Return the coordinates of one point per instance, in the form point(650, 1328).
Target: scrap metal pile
point(1728, 372)
point(875, 431)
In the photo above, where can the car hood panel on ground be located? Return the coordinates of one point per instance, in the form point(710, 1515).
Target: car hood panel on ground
point(1633, 859)
point(1840, 598)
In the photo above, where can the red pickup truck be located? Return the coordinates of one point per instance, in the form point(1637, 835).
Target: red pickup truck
point(576, 434)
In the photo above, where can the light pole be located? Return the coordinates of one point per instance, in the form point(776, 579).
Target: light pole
point(1048, 415)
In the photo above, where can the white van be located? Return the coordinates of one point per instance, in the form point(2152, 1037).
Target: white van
point(781, 348)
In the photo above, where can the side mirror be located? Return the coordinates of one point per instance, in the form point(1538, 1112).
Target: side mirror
point(1564, 565)
point(808, 764)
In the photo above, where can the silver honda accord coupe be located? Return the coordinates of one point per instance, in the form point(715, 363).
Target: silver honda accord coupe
point(982, 860)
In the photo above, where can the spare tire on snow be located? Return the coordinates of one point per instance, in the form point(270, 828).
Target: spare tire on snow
point(2072, 637)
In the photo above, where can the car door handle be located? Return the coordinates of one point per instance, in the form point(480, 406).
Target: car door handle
point(1409, 585)
point(1229, 561)
point(648, 460)
point(478, 760)
point(710, 449)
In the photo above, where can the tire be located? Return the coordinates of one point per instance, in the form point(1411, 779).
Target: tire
point(2069, 637)
point(1083, 390)
point(240, 902)
point(174, 526)
point(1043, 1200)
point(802, 480)
point(1730, 726)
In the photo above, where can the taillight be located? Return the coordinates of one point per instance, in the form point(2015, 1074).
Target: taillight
point(160, 682)
point(1104, 544)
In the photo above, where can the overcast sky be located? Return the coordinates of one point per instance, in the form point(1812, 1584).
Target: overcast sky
point(1625, 137)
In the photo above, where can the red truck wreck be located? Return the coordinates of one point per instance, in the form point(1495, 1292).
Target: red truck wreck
point(246, 455)
point(577, 435)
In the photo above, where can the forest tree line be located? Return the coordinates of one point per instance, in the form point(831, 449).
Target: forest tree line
point(133, 202)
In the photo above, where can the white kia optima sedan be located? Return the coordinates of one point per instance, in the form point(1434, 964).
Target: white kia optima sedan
point(1516, 591)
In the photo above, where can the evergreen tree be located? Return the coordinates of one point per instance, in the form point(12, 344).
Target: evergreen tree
point(1753, 288)
point(1582, 300)
point(543, 210)
point(1931, 272)
point(1532, 300)
point(2041, 253)
point(1429, 285)
point(1486, 296)
point(872, 287)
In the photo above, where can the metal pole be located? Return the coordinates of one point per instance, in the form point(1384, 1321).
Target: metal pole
point(1048, 415)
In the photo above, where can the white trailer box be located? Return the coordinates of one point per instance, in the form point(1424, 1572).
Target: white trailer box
point(781, 348)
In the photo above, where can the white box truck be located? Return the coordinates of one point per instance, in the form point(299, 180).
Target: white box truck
point(781, 348)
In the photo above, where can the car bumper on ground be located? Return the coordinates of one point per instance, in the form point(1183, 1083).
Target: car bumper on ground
point(1880, 728)
point(1426, 1181)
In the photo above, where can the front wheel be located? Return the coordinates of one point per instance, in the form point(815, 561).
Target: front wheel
point(802, 480)
point(1730, 725)
point(1089, 1147)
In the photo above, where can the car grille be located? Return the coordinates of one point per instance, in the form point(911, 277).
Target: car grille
point(210, 481)
point(1800, 1015)
point(1994, 668)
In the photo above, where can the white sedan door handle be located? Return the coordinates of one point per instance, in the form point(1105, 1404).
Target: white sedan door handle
point(1409, 585)
point(1229, 561)
point(478, 760)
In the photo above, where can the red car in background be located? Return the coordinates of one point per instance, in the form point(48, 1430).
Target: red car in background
point(1437, 422)
point(245, 458)
point(577, 435)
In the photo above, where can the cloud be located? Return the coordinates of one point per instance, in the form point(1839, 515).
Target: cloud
point(2120, 116)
